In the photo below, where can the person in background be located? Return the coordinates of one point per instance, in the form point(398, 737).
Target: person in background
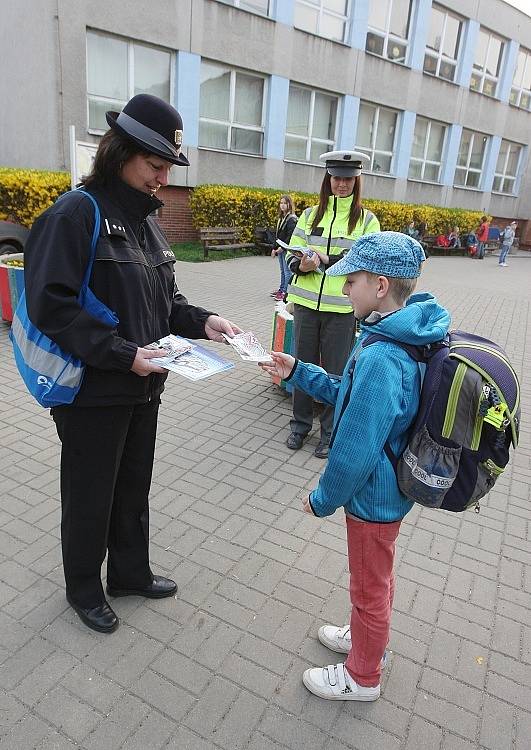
point(507, 239)
point(286, 223)
point(482, 233)
point(323, 321)
point(108, 432)
point(411, 230)
point(454, 238)
point(422, 228)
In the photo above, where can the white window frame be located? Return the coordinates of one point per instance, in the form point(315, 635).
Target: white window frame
point(328, 145)
point(372, 150)
point(481, 74)
point(507, 177)
point(240, 3)
point(517, 92)
point(424, 160)
point(130, 72)
point(467, 168)
point(318, 5)
point(440, 56)
point(388, 37)
point(231, 123)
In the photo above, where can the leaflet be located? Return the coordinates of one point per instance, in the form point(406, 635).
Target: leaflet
point(248, 347)
point(189, 359)
point(299, 251)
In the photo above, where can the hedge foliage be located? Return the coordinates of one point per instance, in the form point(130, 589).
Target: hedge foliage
point(246, 207)
point(26, 193)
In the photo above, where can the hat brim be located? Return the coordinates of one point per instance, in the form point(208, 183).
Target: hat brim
point(343, 267)
point(180, 161)
point(347, 171)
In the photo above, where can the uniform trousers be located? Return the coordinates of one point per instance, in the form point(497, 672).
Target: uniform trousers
point(326, 339)
point(106, 465)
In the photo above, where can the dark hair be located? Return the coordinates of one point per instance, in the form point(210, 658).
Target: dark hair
point(324, 195)
point(114, 150)
point(289, 201)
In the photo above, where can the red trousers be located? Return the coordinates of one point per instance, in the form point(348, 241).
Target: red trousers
point(371, 552)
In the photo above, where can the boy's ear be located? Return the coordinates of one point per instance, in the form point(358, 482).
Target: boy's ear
point(382, 286)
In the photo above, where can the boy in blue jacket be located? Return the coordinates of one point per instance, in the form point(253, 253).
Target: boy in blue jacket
point(376, 400)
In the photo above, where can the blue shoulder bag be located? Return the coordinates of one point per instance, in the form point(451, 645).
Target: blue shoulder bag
point(51, 375)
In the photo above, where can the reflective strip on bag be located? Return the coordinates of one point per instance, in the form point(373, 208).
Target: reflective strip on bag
point(45, 363)
point(430, 480)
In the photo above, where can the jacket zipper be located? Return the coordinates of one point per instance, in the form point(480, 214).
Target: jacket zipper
point(142, 242)
point(327, 252)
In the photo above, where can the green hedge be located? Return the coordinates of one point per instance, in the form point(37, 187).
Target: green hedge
point(247, 207)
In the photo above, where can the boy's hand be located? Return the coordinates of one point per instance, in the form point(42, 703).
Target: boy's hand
point(307, 508)
point(282, 364)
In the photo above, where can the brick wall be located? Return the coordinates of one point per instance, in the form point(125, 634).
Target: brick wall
point(175, 217)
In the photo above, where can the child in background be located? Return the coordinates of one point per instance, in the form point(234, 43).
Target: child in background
point(286, 223)
point(376, 400)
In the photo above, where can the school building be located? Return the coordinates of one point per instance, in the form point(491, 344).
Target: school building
point(437, 94)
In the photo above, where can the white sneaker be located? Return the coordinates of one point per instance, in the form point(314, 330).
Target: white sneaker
point(335, 684)
point(338, 639)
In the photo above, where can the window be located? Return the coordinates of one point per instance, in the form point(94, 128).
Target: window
point(311, 125)
point(117, 69)
point(507, 167)
point(427, 150)
point(255, 6)
point(521, 90)
point(389, 29)
point(231, 106)
point(487, 63)
point(323, 17)
point(470, 159)
point(376, 136)
point(442, 48)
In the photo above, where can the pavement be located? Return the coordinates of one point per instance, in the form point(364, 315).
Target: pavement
point(219, 666)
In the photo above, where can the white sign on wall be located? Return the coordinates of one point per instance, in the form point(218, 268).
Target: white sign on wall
point(81, 158)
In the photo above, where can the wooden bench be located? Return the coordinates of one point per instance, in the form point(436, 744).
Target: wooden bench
point(429, 243)
point(261, 241)
point(222, 238)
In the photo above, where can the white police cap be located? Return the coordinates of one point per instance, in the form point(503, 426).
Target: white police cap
point(344, 163)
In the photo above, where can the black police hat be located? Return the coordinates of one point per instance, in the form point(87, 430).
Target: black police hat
point(154, 125)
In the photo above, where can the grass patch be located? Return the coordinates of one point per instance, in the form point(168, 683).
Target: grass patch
point(192, 252)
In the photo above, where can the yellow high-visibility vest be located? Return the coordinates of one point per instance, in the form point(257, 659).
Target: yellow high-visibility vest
point(317, 290)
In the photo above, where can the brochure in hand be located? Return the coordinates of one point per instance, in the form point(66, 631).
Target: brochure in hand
point(189, 359)
point(299, 251)
point(248, 347)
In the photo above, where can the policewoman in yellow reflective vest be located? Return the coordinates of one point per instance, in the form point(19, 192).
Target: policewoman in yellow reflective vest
point(323, 323)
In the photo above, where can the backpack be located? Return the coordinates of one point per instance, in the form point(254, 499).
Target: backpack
point(468, 418)
point(442, 241)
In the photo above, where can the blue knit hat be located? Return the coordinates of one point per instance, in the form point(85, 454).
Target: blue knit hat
point(385, 253)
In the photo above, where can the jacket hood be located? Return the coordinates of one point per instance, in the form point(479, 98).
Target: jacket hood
point(421, 321)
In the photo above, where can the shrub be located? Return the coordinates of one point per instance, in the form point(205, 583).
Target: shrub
point(247, 207)
point(26, 193)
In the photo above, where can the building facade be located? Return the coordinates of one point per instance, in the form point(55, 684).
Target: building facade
point(438, 95)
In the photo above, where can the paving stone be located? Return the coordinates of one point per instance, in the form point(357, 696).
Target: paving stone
point(257, 576)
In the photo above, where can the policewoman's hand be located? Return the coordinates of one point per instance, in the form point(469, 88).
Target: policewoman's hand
point(309, 263)
point(215, 326)
point(142, 365)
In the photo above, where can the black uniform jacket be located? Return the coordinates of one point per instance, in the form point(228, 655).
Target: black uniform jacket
point(133, 275)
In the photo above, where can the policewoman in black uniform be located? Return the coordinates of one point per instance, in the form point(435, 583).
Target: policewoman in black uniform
point(108, 432)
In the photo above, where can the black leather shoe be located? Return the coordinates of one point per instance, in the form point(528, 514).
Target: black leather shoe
point(100, 618)
point(322, 449)
point(157, 589)
point(295, 441)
